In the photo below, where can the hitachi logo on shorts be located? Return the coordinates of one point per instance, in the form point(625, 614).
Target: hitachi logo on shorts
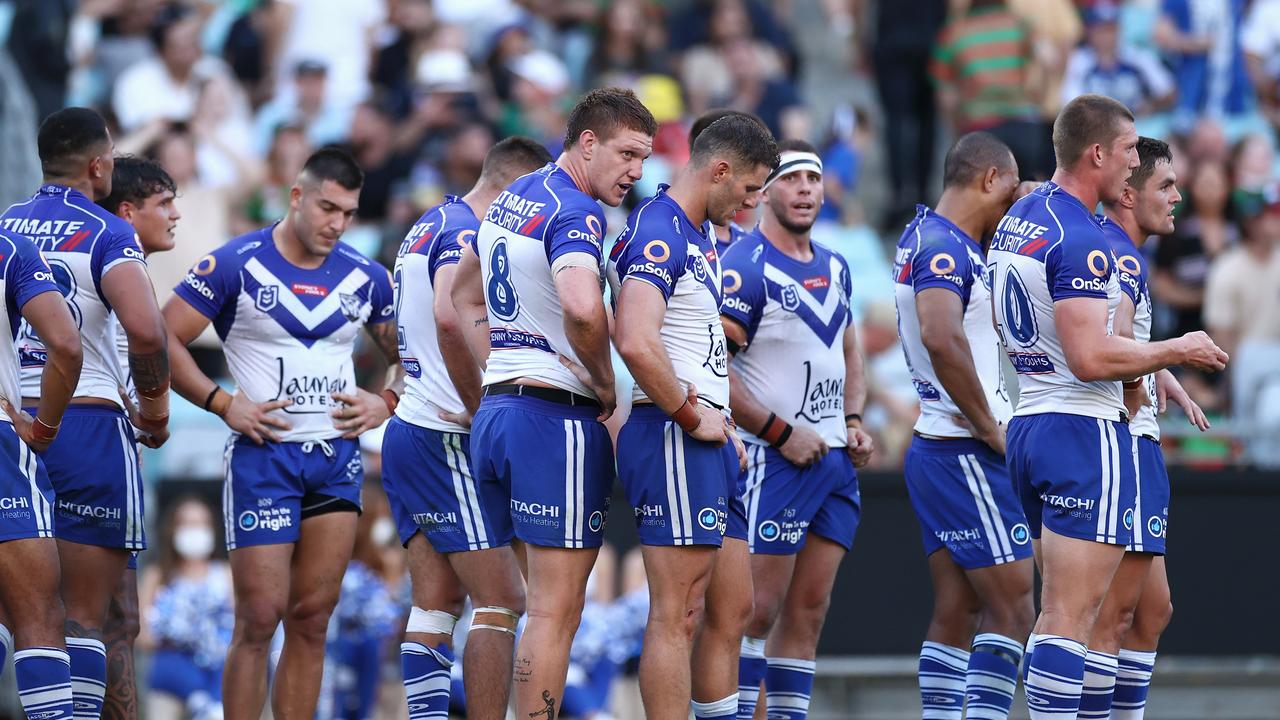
point(14, 503)
point(649, 511)
point(435, 518)
point(958, 536)
point(93, 511)
point(1070, 503)
point(538, 509)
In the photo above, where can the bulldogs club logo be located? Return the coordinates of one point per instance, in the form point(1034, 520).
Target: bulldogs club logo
point(350, 306)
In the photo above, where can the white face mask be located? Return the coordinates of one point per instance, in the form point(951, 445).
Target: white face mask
point(193, 542)
point(383, 531)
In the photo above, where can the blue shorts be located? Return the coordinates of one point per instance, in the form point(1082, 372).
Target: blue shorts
point(271, 488)
point(96, 476)
point(965, 502)
point(556, 462)
point(1152, 505)
point(682, 490)
point(427, 476)
point(785, 503)
point(26, 497)
point(1075, 475)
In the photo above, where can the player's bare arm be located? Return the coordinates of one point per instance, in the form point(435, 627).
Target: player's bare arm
point(801, 446)
point(586, 326)
point(1135, 392)
point(48, 315)
point(459, 361)
point(184, 324)
point(1168, 388)
point(1094, 355)
point(942, 332)
point(128, 288)
point(364, 410)
point(641, 310)
point(467, 294)
point(860, 445)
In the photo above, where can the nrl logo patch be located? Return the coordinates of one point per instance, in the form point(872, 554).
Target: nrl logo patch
point(266, 298)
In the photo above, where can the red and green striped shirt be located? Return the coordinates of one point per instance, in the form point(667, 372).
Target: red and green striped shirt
point(986, 55)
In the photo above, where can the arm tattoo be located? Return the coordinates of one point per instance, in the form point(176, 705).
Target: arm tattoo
point(150, 371)
point(384, 335)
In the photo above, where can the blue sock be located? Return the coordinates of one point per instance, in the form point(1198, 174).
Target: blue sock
point(43, 675)
point(88, 676)
point(1055, 678)
point(1133, 679)
point(1099, 685)
point(941, 676)
point(788, 683)
point(992, 676)
point(722, 709)
point(426, 680)
point(751, 670)
point(6, 644)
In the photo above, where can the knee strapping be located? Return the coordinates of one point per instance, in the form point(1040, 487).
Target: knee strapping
point(499, 618)
point(431, 622)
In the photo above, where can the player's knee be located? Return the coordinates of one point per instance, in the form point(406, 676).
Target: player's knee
point(1151, 621)
point(731, 616)
point(564, 613)
point(257, 620)
point(495, 618)
point(766, 605)
point(956, 612)
point(511, 598)
point(308, 619)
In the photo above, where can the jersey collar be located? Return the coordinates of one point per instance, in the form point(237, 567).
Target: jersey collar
point(699, 232)
point(925, 212)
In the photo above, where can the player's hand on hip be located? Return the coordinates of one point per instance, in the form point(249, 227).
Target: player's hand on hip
point(1201, 353)
point(1135, 397)
point(995, 439)
point(604, 392)
point(360, 412)
point(804, 448)
point(1168, 388)
point(22, 423)
point(254, 419)
point(150, 436)
point(712, 426)
point(738, 447)
point(861, 445)
point(459, 418)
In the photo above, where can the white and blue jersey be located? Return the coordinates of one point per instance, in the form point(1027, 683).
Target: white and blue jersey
point(691, 487)
point(99, 503)
point(288, 334)
point(546, 447)
point(959, 487)
point(934, 253)
point(1151, 506)
point(1069, 448)
point(426, 461)
point(26, 497)
point(795, 315)
point(736, 233)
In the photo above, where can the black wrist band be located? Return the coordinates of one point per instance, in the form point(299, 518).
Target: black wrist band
point(212, 394)
point(852, 416)
point(784, 437)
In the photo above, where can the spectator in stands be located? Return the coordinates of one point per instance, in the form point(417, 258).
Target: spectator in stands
point(540, 82)
point(1202, 40)
point(168, 84)
point(901, 48)
point(773, 100)
point(288, 151)
point(186, 616)
point(1102, 65)
point(340, 31)
point(984, 68)
point(408, 24)
point(304, 104)
point(1252, 164)
point(1055, 31)
point(1260, 39)
point(629, 43)
point(385, 158)
point(707, 69)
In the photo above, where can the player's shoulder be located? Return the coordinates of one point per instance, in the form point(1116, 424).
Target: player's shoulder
point(239, 250)
point(826, 255)
point(1117, 238)
point(356, 259)
point(655, 214)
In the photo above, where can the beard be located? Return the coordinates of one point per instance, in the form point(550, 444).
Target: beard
point(795, 227)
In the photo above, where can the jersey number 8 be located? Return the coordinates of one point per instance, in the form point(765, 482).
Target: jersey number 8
point(501, 294)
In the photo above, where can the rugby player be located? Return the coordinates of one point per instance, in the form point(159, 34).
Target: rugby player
point(288, 301)
point(1137, 608)
point(457, 534)
point(975, 536)
point(798, 393)
point(685, 497)
point(731, 232)
point(29, 576)
point(98, 265)
point(1069, 451)
point(142, 194)
point(548, 381)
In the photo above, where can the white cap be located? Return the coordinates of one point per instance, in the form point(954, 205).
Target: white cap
point(543, 69)
point(444, 70)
